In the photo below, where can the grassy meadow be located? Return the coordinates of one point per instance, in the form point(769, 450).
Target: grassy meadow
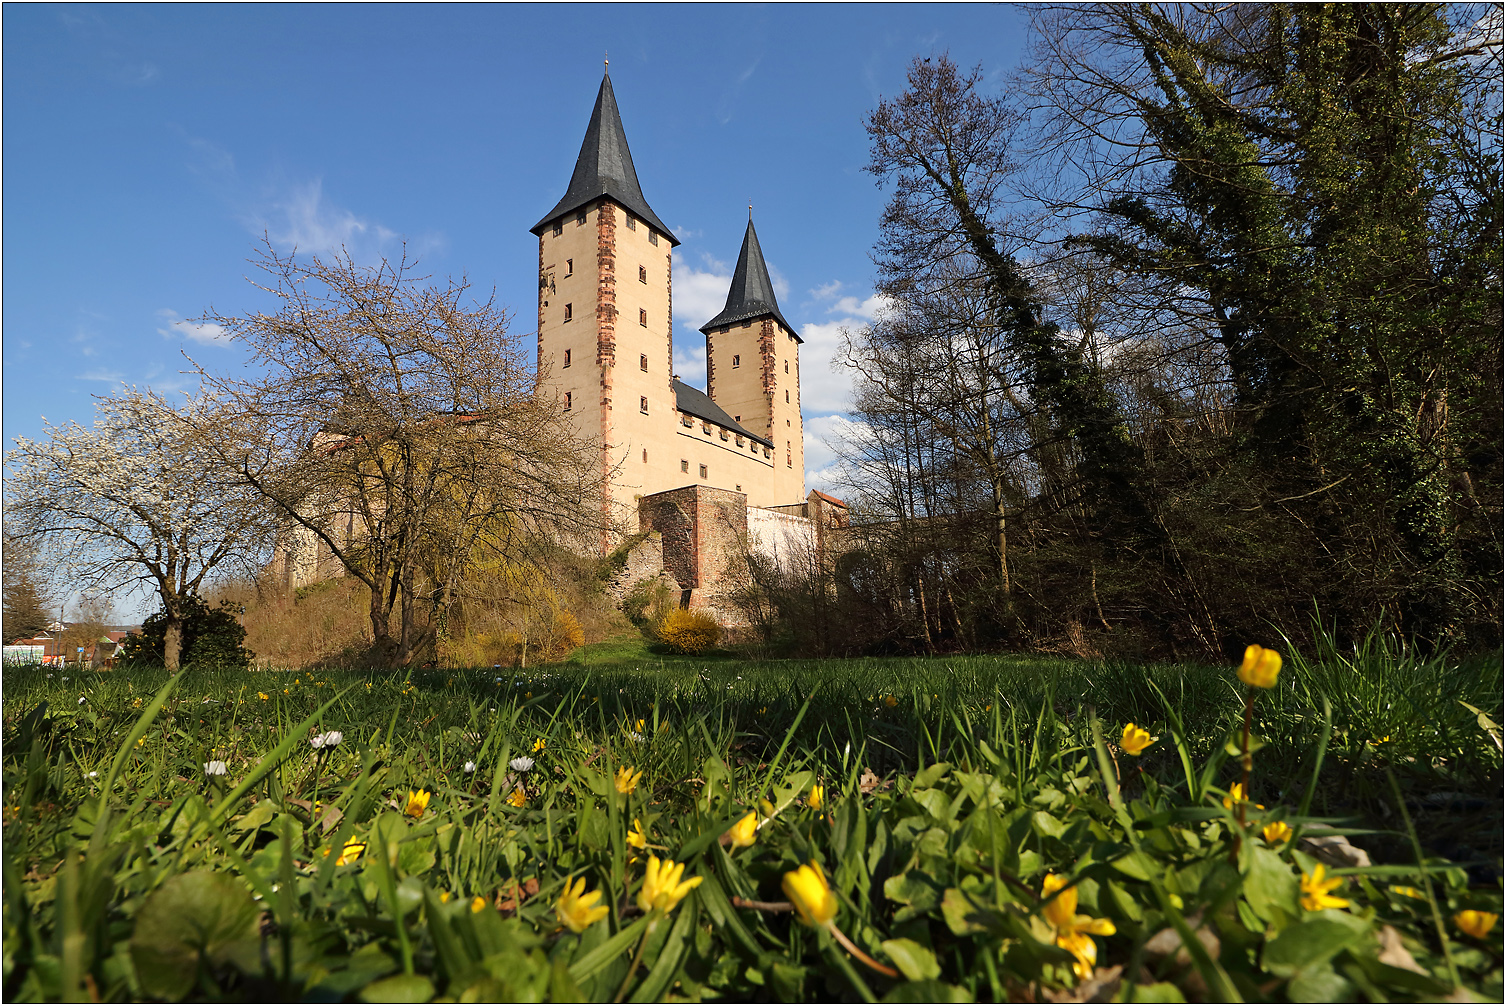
point(210, 837)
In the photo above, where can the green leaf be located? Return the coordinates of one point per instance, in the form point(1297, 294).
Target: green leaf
point(1046, 825)
point(1312, 941)
point(964, 916)
point(930, 775)
point(192, 918)
point(1137, 865)
point(917, 962)
point(1320, 984)
point(1271, 888)
point(1159, 992)
point(399, 989)
point(927, 992)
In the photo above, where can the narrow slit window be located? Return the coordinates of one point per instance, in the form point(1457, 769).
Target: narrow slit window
point(703, 471)
point(737, 361)
point(632, 222)
point(567, 358)
point(642, 361)
point(684, 466)
point(643, 404)
point(786, 366)
point(569, 311)
point(653, 236)
point(645, 455)
point(567, 401)
point(786, 398)
point(559, 228)
point(569, 267)
point(643, 317)
point(642, 274)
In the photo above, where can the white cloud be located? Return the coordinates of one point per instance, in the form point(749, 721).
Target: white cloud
point(690, 364)
point(204, 333)
point(869, 309)
point(827, 290)
point(699, 294)
point(98, 374)
point(302, 218)
point(823, 388)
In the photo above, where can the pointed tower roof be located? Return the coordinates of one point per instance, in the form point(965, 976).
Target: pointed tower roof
point(752, 292)
point(605, 168)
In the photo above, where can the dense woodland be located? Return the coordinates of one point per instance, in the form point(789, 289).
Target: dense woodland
point(1195, 331)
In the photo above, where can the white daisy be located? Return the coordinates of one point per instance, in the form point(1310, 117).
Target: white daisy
point(523, 764)
point(214, 768)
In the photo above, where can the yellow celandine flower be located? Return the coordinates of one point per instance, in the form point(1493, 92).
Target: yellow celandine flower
point(1476, 924)
point(477, 904)
point(818, 794)
point(809, 892)
point(539, 745)
point(662, 888)
point(518, 797)
point(418, 802)
point(636, 836)
point(1074, 933)
point(627, 780)
point(1237, 794)
point(638, 726)
point(745, 832)
point(1135, 739)
point(1315, 896)
point(1276, 832)
point(890, 701)
point(577, 907)
point(1260, 667)
point(352, 852)
point(263, 696)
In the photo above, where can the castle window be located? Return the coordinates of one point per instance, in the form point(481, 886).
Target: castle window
point(569, 311)
point(786, 366)
point(786, 398)
point(723, 330)
point(748, 323)
point(739, 488)
point(786, 422)
point(643, 404)
point(580, 219)
point(567, 401)
point(642, 361)
point(737, 361)
point(703, 471)
point(766, 452)
point(739, 441)
point(684, 466)
point(705, 427)
point(653, 236)
point(632, 222)
point(643, 317)
point(569, 267)
point(559, 228)
point(567, 358)
point(645, 455)
point(642, 274)
point(737, 419)
point(724, 434)
point(686, 421)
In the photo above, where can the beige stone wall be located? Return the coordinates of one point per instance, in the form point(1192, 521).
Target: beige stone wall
point(752, 367)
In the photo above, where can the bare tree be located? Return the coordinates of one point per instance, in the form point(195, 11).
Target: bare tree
point(136, 502)
point(397, 427)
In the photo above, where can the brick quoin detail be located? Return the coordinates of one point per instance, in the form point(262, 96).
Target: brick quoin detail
point(669, 292)
point(539, 360)
point(606, 338)
point(766, 354)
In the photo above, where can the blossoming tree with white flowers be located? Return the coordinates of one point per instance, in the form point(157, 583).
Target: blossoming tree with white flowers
point(135, 502)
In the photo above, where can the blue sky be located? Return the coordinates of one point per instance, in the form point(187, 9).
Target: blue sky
point(148, 147)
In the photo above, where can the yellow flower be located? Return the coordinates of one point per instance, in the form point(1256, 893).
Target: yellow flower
point(1237, 794)
point(418, 802)
point(818, 793)
point(811, 895)
point(352, 852)
point(444, 897)
point(890, 701)
point(577, 907)
point(1408, 892)
point(1476, 924)
point(538, 746)
point(1277, 832)
point(1260, 667)
point(745, 832)
point(263, 696)
point(518, 797)
point(638, 727)
point(636, 836)
point(1074, 933)
point(1135, 739)
point(662, 888)
point(477, 904)
point(1315, 896)
point(627, 780)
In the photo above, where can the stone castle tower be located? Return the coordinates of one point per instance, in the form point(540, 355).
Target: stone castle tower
point(606, 344)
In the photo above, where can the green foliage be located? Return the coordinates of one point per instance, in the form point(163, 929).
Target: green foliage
point(647, 602)
point(987, 774)
point(211, 636)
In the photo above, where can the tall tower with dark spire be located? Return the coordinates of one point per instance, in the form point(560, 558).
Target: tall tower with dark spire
point(605, 308)
point(753, 366)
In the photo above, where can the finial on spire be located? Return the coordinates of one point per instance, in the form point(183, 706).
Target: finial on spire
point(750, 213)
point(605, 62)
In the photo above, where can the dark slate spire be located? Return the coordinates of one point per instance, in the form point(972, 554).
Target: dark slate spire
point(752, 293)
point(605, 168)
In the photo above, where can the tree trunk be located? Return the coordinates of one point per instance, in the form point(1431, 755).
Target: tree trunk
point(172, 639)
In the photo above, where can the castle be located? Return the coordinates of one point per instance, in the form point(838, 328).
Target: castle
point(705, 476)
point(693, 481)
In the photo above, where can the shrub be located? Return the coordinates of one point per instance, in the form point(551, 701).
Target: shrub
point(686, 631)
point(211, 636)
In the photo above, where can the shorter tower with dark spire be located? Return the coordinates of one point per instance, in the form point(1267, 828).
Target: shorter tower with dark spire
point(753, 365)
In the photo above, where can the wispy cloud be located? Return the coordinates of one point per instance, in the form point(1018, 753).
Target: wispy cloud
point(100, 374)
point(824, 435)
point(690, 364)
point(204, 333)
point(301, 217)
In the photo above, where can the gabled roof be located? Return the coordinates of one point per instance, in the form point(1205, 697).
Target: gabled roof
point(752, 292)
point(688, 399)
point(605, 168)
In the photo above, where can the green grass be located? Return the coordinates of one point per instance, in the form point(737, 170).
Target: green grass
point(1000, 743)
